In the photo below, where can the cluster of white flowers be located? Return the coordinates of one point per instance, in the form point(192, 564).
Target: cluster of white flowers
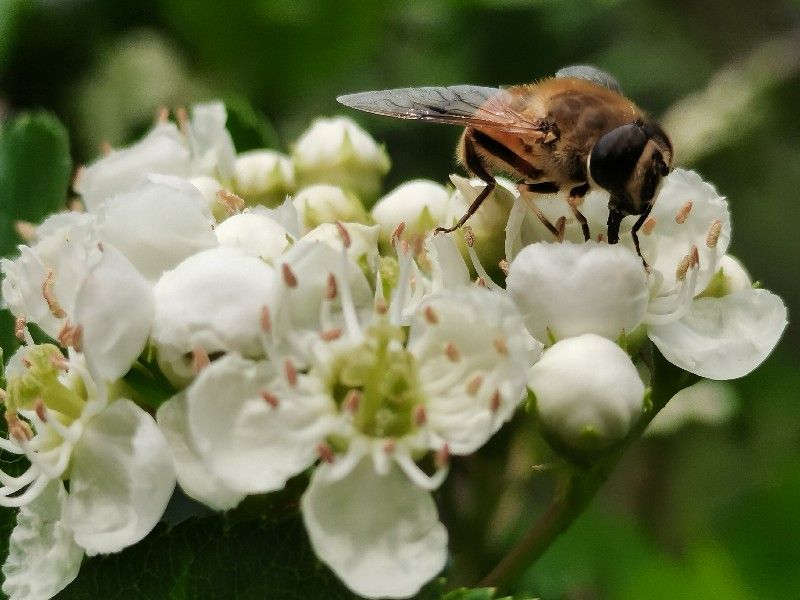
point(305, 334)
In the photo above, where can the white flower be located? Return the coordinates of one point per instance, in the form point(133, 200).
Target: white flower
point(213, 302)
point(323, 203)
point(263, 177)
point(112, 453)
point(362, 242)
point(706, 402)
point(212, 148)
point(588, 392)
point(568, 289)
point(339, 152)
point(256, 233)
point(421, 205)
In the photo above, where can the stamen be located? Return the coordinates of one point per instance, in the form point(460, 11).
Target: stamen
point(76, 205)
point(106, 148)
point(501, 346)
point(331, 334)
point(26, 230)
point(430, 315)
point(76, 179)
point(420, 416)
point(19, 329)
point(398, 231)
point(474, 385)
point(183, 119)
point(478, 266)
point(17, 428)
point(381, 307)
point(494, 404)
point(480, 282)
point(162, 116)
point(59, 362)
point(352, 401)
point(695, 256)
point(40, 409)
point(504, 267)
point(290, 371)
point(325, 452)
point(714, 230)
point(683, 212)
point(452, 352)
point(469, 236)
point(601, 237)
point(649, 225)
point(200, 359)
point(71, 335)
point(289, 278)
point(26, 362)
point(442, 456)
point(49, 296)
point(683, 267)
point(270, 399)
point(231, 202)
point(389, 446)
point(266, 319)
point(331, 291)
point(344, 234)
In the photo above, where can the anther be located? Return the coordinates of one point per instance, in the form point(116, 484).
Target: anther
point(381, 307)
point(442, 456)
point(59, 362)
point(200, 359)
point(76, 179)
point(352, 401)
point(40, 409)
point(19, 329)
point(266, 320)
point(106, 148)
point(49, 296)
point(389, 446)
point(71, 335)
point(26, 362)
point(430, 315)
point(398, 231)
point(325, 452)
point(331, 334)
point(183, 119)
point(75, 205)
point(683, 267)
point(420, 416)
point(504, 266)
point(469, 236)
point(26, 230)
point(480, 282)
point(683, 212)
point(17, 428)
point(233, 204)
point(290, 371)
point(601, 237)
point(162, 116)
point(695, 256)
point(649, 225)
point(474, 385)
point(270, 399)
point(494, 403)
point(289, 278)
point(561, 227)
point(452, 352)
point(501, 346)
point(344, 234)
point(713, 234)
point(331, 291)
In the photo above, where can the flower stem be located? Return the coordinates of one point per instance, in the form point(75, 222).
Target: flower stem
point(576, 488)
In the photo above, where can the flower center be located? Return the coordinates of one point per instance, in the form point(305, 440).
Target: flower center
point(377, 381)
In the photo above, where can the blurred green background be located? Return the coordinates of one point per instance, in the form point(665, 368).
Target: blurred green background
point(709, 512)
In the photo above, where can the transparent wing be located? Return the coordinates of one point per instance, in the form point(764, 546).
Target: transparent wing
point(592, 74)
point(462, 105)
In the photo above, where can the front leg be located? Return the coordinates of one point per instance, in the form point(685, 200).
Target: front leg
point(543, 187)
point(576, 195)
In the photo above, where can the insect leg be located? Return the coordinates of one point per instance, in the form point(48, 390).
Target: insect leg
point(637, 226)
point(576, 194)
point(543, 187)
point(615, 217)
point(473, 162)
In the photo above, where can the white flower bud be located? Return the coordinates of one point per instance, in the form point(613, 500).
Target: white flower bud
point(255, 232)
point(339, 152)
point(588, 392)
point(323, 203)
point(421, 204)
point(363, 240)
point(263, 177)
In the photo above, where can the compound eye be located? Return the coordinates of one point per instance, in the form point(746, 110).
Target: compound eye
point(615, 155)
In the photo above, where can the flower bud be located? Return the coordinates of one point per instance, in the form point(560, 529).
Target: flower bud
point(255, 232)
point(362, 240)
point(421, 204)
point(339, 152)
point(322, 203)
point(588, 392)
point(263, 177)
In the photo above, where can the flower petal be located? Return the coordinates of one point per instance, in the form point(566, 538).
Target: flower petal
point(255, 232)
point(193, 476)
point(43, 557)
point(724, 338)
point(252, 441)
point(122, 478)
point(115, 308)
point(380, 534)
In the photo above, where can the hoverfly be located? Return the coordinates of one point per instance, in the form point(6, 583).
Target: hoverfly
point(575, 131)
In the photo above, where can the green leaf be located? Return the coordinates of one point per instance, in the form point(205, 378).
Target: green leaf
point(477, 594)
point(248, 127)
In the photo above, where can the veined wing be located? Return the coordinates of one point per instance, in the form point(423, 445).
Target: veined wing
point(464, 105)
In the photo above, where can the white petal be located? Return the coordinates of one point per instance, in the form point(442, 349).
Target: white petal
point(121, 480)
point(363, 250)
point(43, 557)
point(317, 204)
point(380, 534)
point(255, 233)
point(263, 176)
point(448, 268)
point(724, 338)
point(160, 151)
point(212, 147)
point(571, 289)
point(491, 343)
point(588, 392)
point(420, 204)
point(157, 225)
point(249, 444)
point(707, 402)
point(193, 476)
point(212, 300)
point(115, 308)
